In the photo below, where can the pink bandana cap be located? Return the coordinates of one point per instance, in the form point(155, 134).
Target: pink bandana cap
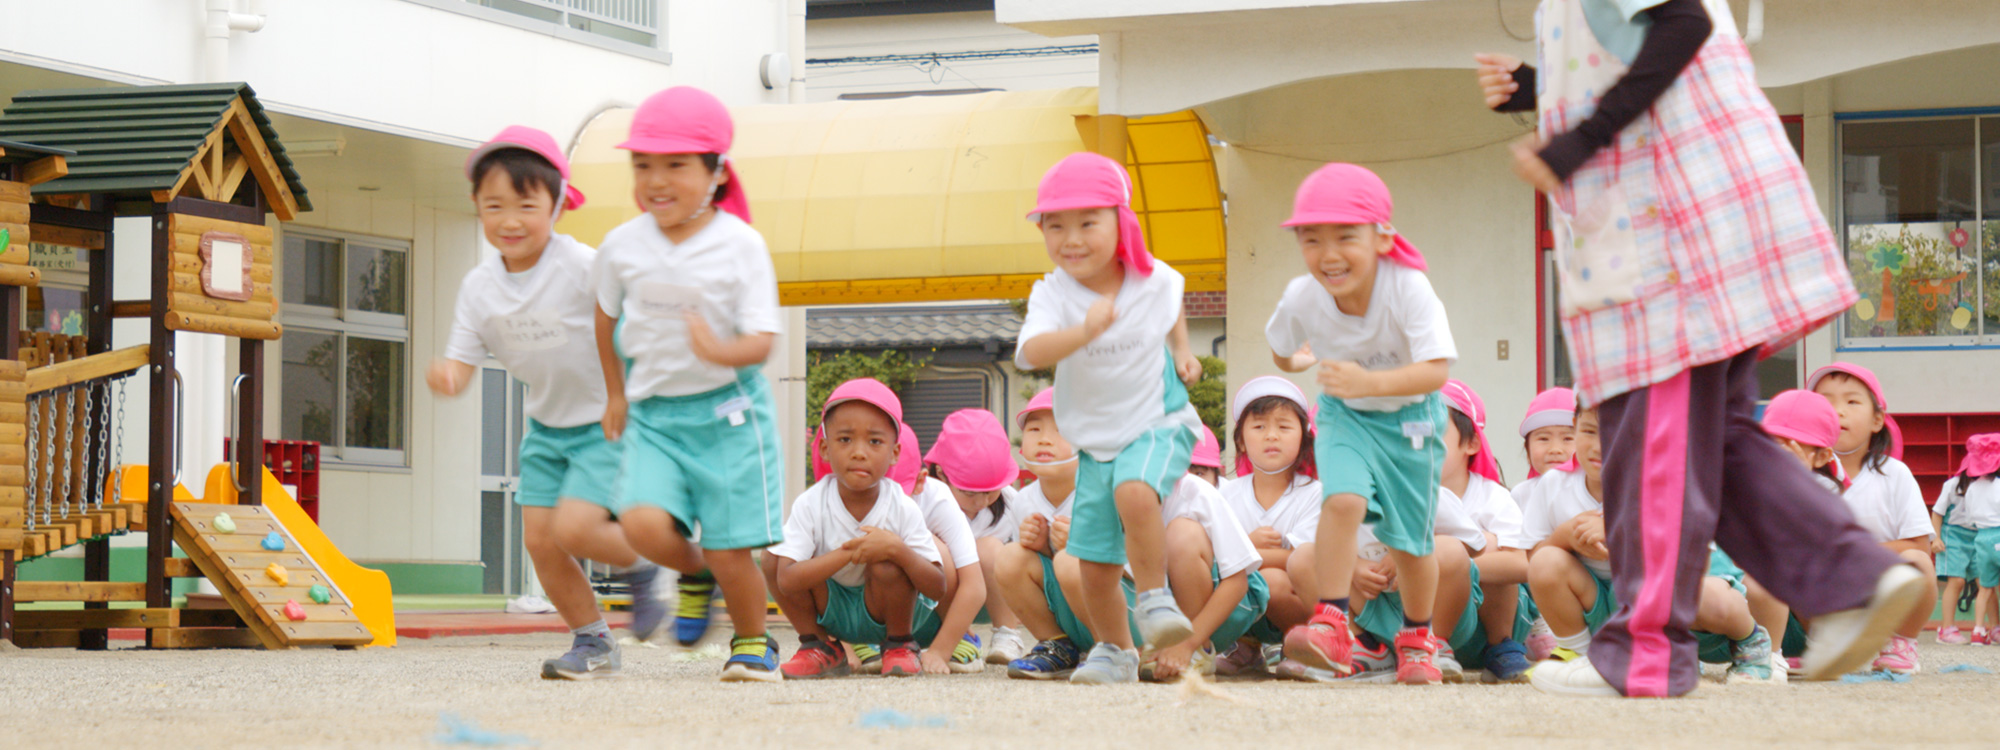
point(1982, 455)
point(1350, 194)
point(973, 450)
point(1207, 451)
point(1272, 385)
point(1802, 416)
point(1867, 378)
point(538, 143)
point(904, 473)
point(1088, 180)
point(1468, 403)
point(688, 120)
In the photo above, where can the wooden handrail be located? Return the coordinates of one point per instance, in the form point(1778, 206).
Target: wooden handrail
point(88, 368)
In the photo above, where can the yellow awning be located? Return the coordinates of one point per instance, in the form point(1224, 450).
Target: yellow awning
point(924, 198)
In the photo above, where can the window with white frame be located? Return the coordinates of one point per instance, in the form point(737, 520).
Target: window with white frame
point(635, 21)
point(1922, 241)
point(345, 371)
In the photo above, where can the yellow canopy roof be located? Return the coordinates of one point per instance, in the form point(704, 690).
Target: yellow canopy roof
point(924, 198)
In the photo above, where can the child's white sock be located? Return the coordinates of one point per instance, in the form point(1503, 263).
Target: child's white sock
point(1580, 642)
point(596, 630)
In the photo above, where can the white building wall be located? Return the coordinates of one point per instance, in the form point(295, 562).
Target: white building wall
point(936, 33)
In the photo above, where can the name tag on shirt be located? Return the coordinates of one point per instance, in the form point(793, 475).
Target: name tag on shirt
point(1416, 432)
point(532, 331)
point(663, 300)
point(732, 410)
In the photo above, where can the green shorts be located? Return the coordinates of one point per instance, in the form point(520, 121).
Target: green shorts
point(1066, 617)
point(1383, 618)
point(846, 617)
point(1795, 642)
point(1714, 648)
point(1245, 618)
point(1956, 559)
point(711, 459)
point(1368, 453)
point(567, 462)
point(1986, 557)
point(1158, 458)
point(1606, 606)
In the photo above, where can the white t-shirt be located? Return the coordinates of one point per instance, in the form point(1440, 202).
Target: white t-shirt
point(1556, 498)
point(820, 523)
point(1888, 503)
point(541, 325)
point(723, 272)
point(1034, 503)
point(945, 519)
point(1405, 323)
point(1454, 519)
point(1491, 507)
point(1114, 389)
point(1295, 516)
point(1979, 509)
point(1197, 499)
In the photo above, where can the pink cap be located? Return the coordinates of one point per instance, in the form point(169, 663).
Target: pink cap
point(974, 452)
point(1087, 180)
point(1555, 407)
point(1982, 455)
point(868, 390)
point(1803, 416)
point(688, 120)
point(1043, 401)
point(538, 142)
point(1272, 385)
point(1208, 450)
point(904, 473)
point(1462, 398)
point(1867, 377)
point(1350, 194)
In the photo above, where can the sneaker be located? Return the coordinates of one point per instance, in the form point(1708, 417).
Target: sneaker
point(1562, 654)
point(966, 658)
point(697, 593)
point(1107, 665)
point(1274, 654)
point(529, 605)
point(1245, 659)
point(1752, 662)
point(1952, 636)
point(1980, 638)
point(1049, 660)
point(589, 658)
point(1371, 664)
point(648, 612)
point(1447, 662)
point(1541, 641)
point(1899, 657)
point(1007, 646)
point(1575, 678)
point(1793, 668)
point(753, 659)
point(1202, 661)
point(1292, 670)
point(816, 659)
point(1844, 641)
point(869, 657)
point(1160, 620)
point(900, 660)
point(1417, 655)
point(1322, 642)
point(1507, 661)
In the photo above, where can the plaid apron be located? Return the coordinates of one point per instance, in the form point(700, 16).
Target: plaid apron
point(1695, 235)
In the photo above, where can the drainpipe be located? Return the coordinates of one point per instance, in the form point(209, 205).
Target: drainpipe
point(223, 19)
point(795, 43)
point(1215, 347)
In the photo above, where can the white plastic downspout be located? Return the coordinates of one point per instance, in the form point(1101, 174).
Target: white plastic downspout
point(222, 20)
point(795, 43)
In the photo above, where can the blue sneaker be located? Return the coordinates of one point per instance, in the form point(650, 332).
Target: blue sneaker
point(692, 610)
point(589, 658)
point(1507, 661)
point(753, 659)
point(1052, 659)
point(648, 613)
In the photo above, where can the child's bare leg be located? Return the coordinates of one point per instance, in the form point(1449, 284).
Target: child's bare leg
point(1334, 545)
point(1774, 615)
point(743, 586)
point(799, 607)
point(652, 535)
point(950, 574)
point(1722, 611)
point(1914, 625)
point(1104, 600)
point(1020, 581)
point(1189, 557)
point(891, 598)
point(1417, 578)
point(1501, 573)
point(1953, 589)
point(1982, 607)
point(1145, 537)
point(1454, 585)
point(1303, 567)
point(586, 530)
point(562, 579)
point(996, 603)
point(1287, 609)
point(1563, 589)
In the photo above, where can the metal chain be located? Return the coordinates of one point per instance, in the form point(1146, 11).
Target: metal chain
point(94, 429)
point(34, 456)
point(118, 446)
point(48, 449)
point(68, 444)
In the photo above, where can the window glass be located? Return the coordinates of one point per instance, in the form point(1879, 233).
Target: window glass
point(312, 271)
point(1909, 219)
point(308, 381)
point(375, 385)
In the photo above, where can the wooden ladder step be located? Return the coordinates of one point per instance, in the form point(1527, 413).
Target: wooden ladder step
point(237, 563)
point(79, 591)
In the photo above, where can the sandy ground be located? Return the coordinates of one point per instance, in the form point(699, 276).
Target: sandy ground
point(394, 697)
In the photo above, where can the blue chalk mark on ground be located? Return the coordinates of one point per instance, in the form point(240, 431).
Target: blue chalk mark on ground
point(889, 718)
point(453, 730)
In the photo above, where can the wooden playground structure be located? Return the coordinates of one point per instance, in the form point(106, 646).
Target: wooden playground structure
point(204, 165)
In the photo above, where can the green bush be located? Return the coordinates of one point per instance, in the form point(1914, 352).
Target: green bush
point(825, 371)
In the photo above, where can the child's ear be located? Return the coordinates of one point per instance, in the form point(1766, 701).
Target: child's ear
point(1385, 242)
point(1822, 457)
point(1471, 446)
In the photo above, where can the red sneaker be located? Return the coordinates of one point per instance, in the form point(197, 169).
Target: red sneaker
point(900, 660)
point(1323, 642)
point(1416, 658)
point(816, 659)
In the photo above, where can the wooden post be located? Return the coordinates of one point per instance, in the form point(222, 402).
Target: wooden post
point(250, 422)
point(97, 553)
point(161, 431)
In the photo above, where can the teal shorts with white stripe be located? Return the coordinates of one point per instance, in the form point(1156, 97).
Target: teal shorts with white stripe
point(711, 460)
point(1158, 458)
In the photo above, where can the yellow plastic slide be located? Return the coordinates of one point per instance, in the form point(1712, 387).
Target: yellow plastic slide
point(367, 589)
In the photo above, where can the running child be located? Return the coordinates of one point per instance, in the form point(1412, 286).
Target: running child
point(1276, 497)
point(688, 308)
point(1471, 477)
point(530, 306)
point(1384, 350)
point(1109, 319)
point(1672, 289)
point(1032, 571)
point(1968, 515)
point(1882, 494)
point(857, 563)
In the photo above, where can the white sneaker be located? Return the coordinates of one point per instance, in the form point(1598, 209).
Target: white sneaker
point(1575, 678)
point(1447, 663)
point(529, 605)
point(1007, 646)
point(1847, 640)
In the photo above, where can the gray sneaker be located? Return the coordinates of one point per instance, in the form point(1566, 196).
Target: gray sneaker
point(589, 658)
point(1107, 665)
point(1160, 620)
point(648, 612)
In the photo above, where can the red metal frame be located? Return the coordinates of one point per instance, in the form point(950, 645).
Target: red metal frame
point(1545, 243)
point(296, 463)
